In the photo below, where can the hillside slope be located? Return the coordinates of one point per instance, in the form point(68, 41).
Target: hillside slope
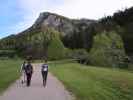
point(74, 33)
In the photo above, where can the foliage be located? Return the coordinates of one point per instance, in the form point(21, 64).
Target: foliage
point(8, 53)
point(56, 49)
point(38, 44)
point(80, 37)
point(123, 19)
point(81, 55)
point(107, 50)
point(46, 44)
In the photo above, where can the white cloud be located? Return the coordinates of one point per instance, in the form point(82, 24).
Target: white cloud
point(31, 8)
point(92, 9)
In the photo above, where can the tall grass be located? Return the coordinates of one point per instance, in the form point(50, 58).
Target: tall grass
point(9, 72)
point(95, 83)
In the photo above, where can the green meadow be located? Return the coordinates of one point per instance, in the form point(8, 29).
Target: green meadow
point(94, 83)
point(85, 82)
point(9, 72)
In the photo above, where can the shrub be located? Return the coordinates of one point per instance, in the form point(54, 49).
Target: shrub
point(81, 55)
point(7, 53)
point(107, 50)
point(56, 49)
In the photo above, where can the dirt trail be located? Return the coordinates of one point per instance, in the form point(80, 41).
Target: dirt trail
point(53, 91)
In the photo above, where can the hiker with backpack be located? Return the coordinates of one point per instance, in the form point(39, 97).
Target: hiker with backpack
point(44, 71)
point(29, 72)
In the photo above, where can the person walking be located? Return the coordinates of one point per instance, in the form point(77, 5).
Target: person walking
point(29, 72)
point(44, 71)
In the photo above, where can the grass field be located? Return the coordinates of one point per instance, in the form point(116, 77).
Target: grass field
point(95, 83)
point(9, 72)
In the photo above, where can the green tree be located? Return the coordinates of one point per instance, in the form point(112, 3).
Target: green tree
point(107, 50)
point(56, 49)
point(39, 43)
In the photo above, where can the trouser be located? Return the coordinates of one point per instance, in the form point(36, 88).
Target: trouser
point(29, 75)
point(44, 76)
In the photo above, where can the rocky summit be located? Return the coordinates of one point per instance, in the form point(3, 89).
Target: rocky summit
point(60, 23)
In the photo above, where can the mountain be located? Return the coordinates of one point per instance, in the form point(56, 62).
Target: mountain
point(68, 28)
point(71, 32)
point(75, 33)
point(60, 23)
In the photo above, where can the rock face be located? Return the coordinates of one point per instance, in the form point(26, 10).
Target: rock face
point(60, 23)
point(73, 33)
point(71, 30)
point(57, 22)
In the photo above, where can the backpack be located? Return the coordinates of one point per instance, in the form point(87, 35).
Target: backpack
point(28, 69)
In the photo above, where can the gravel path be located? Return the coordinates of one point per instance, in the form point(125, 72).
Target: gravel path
point(54, 89)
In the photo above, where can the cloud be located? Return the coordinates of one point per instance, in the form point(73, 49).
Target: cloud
point(93, 9)
point(31, 10)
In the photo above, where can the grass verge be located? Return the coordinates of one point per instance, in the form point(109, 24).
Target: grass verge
point(94, 83)
point(9, 72)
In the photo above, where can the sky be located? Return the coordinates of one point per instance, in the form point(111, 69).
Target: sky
point(18, 15)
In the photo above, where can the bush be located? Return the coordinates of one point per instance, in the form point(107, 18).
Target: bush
point(107, 50)
point(81, 55)
point(45, 44)
point(7, 53)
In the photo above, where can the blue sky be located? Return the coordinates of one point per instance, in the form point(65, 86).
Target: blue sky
point(17, 15)
point(10, 15)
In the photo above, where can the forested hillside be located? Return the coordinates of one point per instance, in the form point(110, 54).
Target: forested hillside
point(122, 22)
point(71, 38)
